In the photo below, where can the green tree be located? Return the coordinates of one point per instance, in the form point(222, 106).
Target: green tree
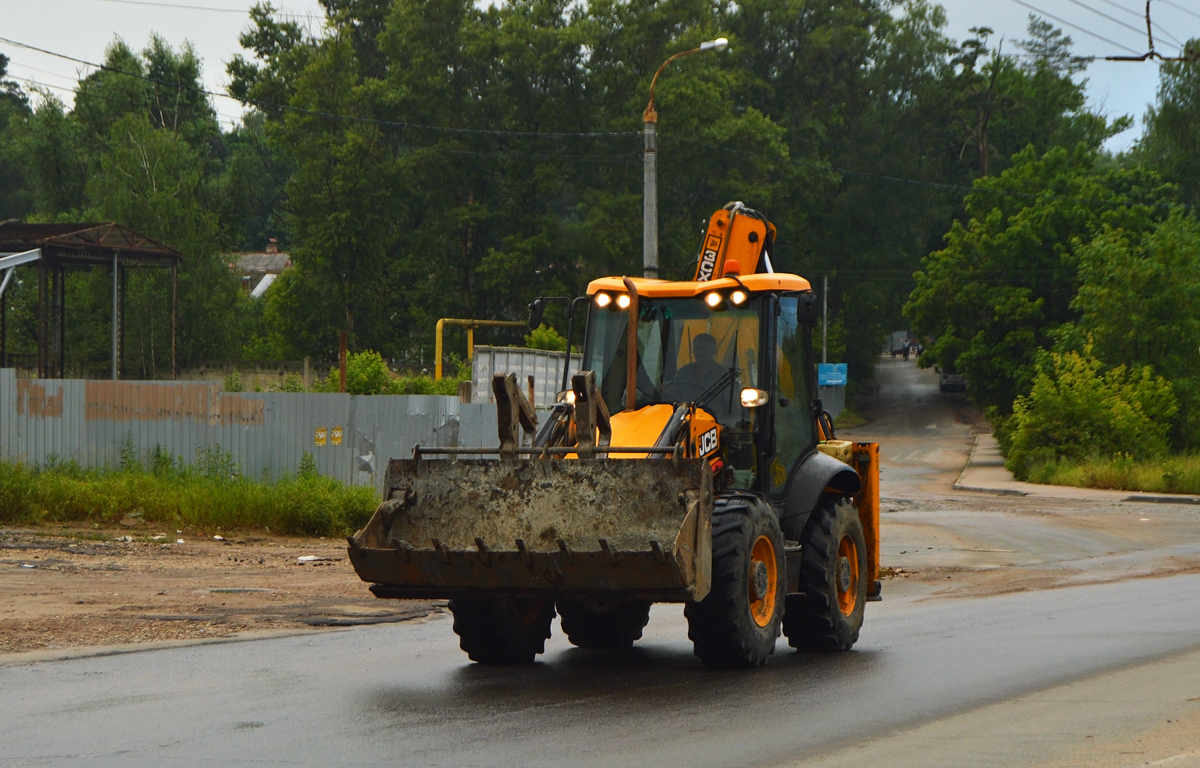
point(1139, 305)
point(1171, 142)
point(438, 158)
point(141, 147)
point(152, 181)
point(1006, 280)
point(1075, 410)
point(14, 109)
point(50, 145)
point(543, 337)
point(366, 374)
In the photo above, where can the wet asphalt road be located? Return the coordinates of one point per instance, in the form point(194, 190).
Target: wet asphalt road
point(405, 695)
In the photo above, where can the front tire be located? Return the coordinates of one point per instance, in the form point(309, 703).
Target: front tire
point(737, 624)
point(501, 630)
point(833, 578)
point(605, 625)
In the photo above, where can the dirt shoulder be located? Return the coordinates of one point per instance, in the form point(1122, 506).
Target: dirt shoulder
point(72, 585)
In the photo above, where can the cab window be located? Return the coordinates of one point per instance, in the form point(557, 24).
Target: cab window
point(794, 435)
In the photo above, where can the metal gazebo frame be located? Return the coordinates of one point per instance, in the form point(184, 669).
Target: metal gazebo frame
point(54, 248)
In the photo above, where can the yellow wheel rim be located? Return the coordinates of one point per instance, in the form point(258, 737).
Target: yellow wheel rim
point(762, 557)
point(846, 575)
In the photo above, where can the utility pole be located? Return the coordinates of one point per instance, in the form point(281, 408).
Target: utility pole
point(650, 164)
point(650, 194)
point(824, 318)
point(342, 363)
point(116, 316)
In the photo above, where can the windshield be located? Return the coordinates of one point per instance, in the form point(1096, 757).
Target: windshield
point(686, 352)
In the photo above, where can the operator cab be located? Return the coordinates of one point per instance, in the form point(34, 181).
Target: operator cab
point(736, 348)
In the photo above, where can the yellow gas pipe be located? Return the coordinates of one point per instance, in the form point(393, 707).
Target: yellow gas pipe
point(471, 325)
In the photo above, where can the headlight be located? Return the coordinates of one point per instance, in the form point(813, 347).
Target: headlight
point(738, 297)
point(713, 299)
point(603, 300)
point(623, 301)
point(752, 398)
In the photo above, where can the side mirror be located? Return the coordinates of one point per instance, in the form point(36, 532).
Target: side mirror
point(807, 311)
point(536, 309)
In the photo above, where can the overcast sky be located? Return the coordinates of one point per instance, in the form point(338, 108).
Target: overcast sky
point(82, 28)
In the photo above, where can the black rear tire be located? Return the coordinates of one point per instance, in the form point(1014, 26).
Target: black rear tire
point(828, 616)
point(502, 630)
point(737, 624)
point(606, 625)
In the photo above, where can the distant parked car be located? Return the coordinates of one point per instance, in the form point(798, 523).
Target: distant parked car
point(952, 382)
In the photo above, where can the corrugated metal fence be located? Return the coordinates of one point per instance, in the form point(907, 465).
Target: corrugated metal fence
point(350, 437)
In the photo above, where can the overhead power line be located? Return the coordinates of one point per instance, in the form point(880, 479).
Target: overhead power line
point(621, 157)
point(1075, 26)
point(38, 83)
point(1180, 8)
point(233, 119)
point(332, 115)
point(667, 138)
point(1162, 30)
point(74, 79)
point(208, 8)
point(1120, 7)
point(180, 6)
point(600, 158)
point(1102, 14)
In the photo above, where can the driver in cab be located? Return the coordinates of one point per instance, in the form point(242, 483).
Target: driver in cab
point(704, 370)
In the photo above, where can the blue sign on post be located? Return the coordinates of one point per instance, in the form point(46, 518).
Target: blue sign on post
point(831, 374)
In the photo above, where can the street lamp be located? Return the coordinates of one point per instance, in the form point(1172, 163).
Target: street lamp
point(650, 174)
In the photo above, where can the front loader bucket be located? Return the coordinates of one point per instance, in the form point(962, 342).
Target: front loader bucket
point(603, 528)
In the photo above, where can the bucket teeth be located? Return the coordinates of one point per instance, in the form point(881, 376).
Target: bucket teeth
point(485, 554)
point(402, 549)
point(528, 558)
point(613, 557)
point(566, 551)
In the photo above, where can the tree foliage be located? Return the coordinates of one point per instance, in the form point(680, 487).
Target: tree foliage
point(1138, 303)
point(1006, 280)
point(1077, 410)
point(1172, 138)
point(444, 158)
point(141, 147)
point(543, 337)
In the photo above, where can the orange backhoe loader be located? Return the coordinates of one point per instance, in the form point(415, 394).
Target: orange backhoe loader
point(690, 461)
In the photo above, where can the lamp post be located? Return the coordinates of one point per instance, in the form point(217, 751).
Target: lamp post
point(650, 167)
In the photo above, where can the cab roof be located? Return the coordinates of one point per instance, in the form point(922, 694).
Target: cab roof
point(658, 289)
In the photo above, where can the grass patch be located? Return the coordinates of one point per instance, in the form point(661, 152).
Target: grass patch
point(1171, 474)
point(181, 496)
point(849, 418)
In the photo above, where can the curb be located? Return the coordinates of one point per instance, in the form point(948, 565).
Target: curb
point(993, 491)
point(1136, 497)
point(1163, 499)
point(958, 486)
